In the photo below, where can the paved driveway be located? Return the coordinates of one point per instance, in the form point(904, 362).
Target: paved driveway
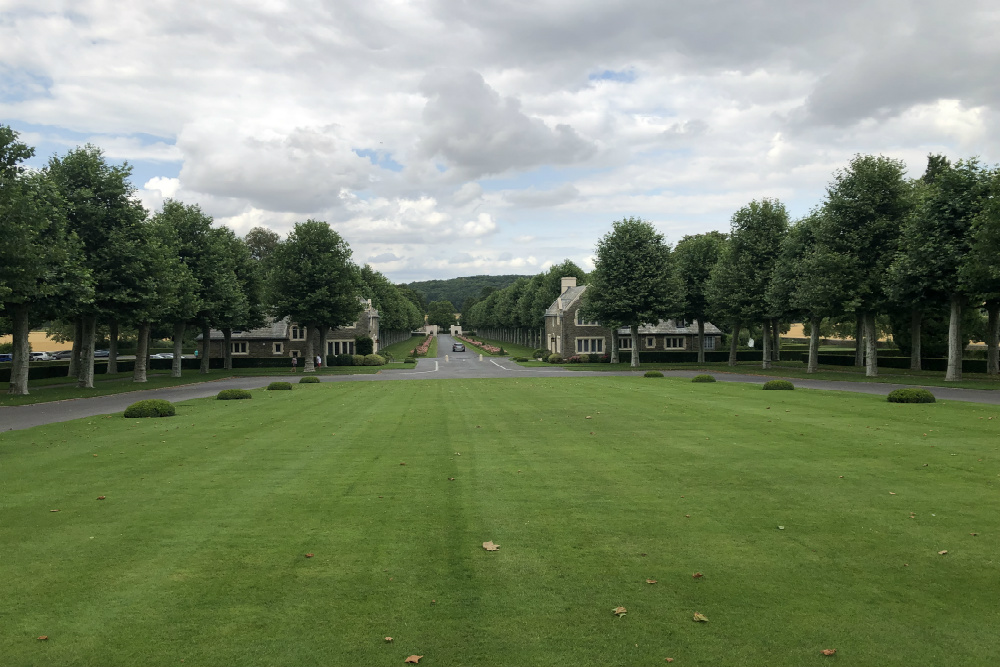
point(448, 366)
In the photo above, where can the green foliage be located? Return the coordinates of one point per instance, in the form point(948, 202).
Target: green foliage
point(280, 386)
point(910, 395)
point(396, 311)
point(364, 345)
point(151, 407)
point(343, 360)
point(703, 378)
point(519, 358)
point(694, 257)
point(309, 379)
point(778, 385)
point(541, 353)
point(357, 360)
point(555, 358)
point(236, 394)
point(374, 360)
point(593, 358)
point(441, 313)
point(458, 290)
point(409, 360)
point(652, 374)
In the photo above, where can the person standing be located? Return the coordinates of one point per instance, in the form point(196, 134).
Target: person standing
point(319, 361)
point(295, 362)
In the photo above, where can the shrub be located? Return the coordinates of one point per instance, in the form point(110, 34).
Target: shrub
point(519, 358)
point(374, 360)
point(280, 386)
point(541, 353)
point(502, 351)
point(606, 359)
point(593, 358)
point(364, 345)
point(309, 379)
point(409, 360)
point(343, 360)
point(151, 407)
point(357, 360)
point(233, 394)
point(575, 359)
point(652, 374)
point(703, 378)
point(555, 358)
point(779, 385)
point(910, 396)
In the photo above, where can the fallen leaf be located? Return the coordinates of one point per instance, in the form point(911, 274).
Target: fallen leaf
point(697, 575)
point(669, 659)
point(434, 601)
point(841, 477)
point(489, 546)
point(44, 637)
point(829, 651)
point(95, 454)
point(891, 493)
point(479, 427)
point(651, 581)
point(402, 464)
point(687, 516)
point(388, 639)
point(100, 497)
point(942, 553)
point(414, 659)
point(451, 479)
point(781, 527)
point(974, 534)
point(701, 618)
point(619, 611)
point(309, 555)
point(53, 510)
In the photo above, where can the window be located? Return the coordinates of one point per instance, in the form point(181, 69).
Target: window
point(239, 347)
point(277, 348)
point(650, 342)
point(709, 342)
point(590, 345)
point(625, 343)
point(674, 343)
point(297, 332)
point(297, 354)
point(580, 322)
point(340, 347)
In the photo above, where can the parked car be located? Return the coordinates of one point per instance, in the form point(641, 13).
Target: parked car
point(162, 355)
point(101, 354)
point(458, 347)
point(6, 357)
point(40, 356)
point(63, 354)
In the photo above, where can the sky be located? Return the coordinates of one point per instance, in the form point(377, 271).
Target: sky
point(447, 138)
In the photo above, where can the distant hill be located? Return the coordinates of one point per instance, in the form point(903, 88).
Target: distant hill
point(457, 290)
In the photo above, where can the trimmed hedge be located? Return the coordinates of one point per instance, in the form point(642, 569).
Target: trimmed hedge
point(884, 361)
point(779, 385)
point(233, 395)
point(309, 379)
point(409, 360)
point(652, 374)
point(555, 358)
point(910, 395)
point(703, 378)
point(374, 360)
point(280, 386)
point(151, 407)
point(688, 357)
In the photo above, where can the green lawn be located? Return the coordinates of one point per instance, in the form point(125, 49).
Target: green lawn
point(198, 551)
point(402, 349)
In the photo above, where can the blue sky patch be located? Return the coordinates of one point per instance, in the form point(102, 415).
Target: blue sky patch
point(624, 76)
point(381, 159)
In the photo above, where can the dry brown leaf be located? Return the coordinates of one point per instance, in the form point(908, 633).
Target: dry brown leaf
point(619, 611)
point(701, 618)
point(651, 581)
point(434, 601)
point(669, 659)
point(697, 575)
point(891, 493)
point(44, 637)
point(589, 417)
point(829, 651)
point(489, 546)
point(414, 659)
point(974, 534)
point(309, 555)
point(402, 464)
point(451, 479)
point(53, 510)
point(942, 553)
point(100, 497)
point(388, 639)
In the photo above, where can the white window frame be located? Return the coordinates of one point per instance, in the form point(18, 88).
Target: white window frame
point(709, 342)
point(588, 323)
point(674, 343)
point(240, 347)
point(340, 347)
point(295, 332)
point(593, 345)
point(277, 348)
point(295, 353)
point(650, 342)
point(624, 342)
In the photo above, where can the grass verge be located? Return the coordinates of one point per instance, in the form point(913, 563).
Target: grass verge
point(402, 349)
point(198, 551)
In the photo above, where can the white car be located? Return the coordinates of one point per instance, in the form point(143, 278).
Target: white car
point(40, 356)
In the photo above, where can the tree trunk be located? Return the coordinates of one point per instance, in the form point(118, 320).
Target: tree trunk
point(22, 351)
point(775, 340)
point(635, 346)
point(227, 348)
point(859, 341)
point(112, 346)
point(813, 364)
point(614, 345)
point(322, 333)
point(701, 340)
point(141, 353)
point(734, 344)
point(915, 319)
point(85, 372)
point(871, 352)
point(954, 373)
point(765, 338)
point(175, 366)
point(993, 338)
point(206, 347)
point(74, 359)
point(310, 365)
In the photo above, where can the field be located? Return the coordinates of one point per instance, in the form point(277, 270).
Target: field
point(816, 518)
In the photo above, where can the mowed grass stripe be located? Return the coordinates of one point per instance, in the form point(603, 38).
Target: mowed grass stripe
point(198, 551)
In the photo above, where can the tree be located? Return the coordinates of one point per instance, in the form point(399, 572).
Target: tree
point(441, 313)
point(633, 282)
point(694, 258)
point(245, 308)
point(397, 314)
point(980, 272)
point(261, 243)
point(40, 260)
point(865, 207)
point(314, 282)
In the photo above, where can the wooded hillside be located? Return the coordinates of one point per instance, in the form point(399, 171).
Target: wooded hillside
point(457, 290)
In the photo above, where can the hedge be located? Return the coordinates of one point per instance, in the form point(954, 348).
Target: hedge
point(910, 395)
point(703, 378)
point(233, 395)
point(309, 379)
point(652, 374)
point(689, 357)
point(151, 407)
point(968, 365)
point(280, 386)
point(779, 385)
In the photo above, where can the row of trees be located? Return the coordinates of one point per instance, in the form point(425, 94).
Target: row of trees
point(915, 250)
point(78, 247)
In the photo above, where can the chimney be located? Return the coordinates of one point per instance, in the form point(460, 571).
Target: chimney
point(566, 283)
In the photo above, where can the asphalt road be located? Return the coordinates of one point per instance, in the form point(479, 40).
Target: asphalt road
point(448, 366)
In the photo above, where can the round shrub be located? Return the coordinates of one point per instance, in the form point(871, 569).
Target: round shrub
point(343, 360)
point(703, 378)
point(309, 379)
point(519, 358)
point(374, 360)
point(233, 394)
point(409, 360)
point(575, 359)
point(357, 360)
point(652, 374)
point(541, 353)
point(779, 385)
point(151, 407)
point(910, 396)
point(555, 358)
point(593, 358)
point(280, 386)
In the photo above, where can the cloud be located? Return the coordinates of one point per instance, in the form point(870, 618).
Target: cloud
point(385, 257)
point(532, 198)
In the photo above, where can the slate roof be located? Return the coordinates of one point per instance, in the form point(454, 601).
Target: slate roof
point(276, 329)
point(568, 297)
point(668, 327)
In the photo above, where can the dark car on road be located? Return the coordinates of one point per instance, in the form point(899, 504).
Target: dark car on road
point(458, 347)
point(63, 354)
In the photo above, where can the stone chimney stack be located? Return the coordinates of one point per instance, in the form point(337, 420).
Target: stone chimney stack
point(566, 283)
